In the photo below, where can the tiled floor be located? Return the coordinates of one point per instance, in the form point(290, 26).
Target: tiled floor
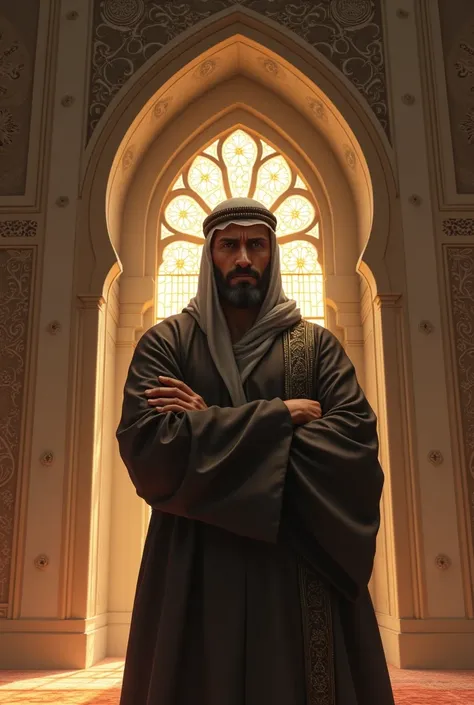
point(100, 685)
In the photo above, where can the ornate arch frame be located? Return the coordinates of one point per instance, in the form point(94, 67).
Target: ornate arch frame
point(115, 209)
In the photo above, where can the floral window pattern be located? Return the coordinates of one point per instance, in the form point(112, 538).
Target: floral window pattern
point(239, 164)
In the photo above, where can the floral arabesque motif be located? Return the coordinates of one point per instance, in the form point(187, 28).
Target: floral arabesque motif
point(458, 227)
point(299, 258)
point(460, 263)
point(128, 32)
point(8, 128)
point(17, 51)
point(124, 12)
point(18, 228)
point(15, 293)
point(456, 24)
point(467, 126)
point(239, 164)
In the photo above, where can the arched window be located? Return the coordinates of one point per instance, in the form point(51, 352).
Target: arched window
point(239, 164)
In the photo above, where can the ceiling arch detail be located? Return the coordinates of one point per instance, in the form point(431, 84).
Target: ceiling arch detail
point(127, 33)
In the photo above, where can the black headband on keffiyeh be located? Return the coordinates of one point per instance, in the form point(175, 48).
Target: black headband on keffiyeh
point(239, 209)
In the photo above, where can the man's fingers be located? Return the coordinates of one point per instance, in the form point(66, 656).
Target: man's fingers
point(176, 383)
point(171, 407)
point(181, 390)
point(167, 392)
point(168, 401)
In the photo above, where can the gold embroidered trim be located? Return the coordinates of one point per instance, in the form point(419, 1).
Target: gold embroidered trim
point(299, 360)
point(318, 639)
point(299, 354)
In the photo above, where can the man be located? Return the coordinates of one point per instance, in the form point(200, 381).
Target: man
point(253, 583)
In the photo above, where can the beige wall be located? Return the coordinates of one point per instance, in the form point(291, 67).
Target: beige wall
point(396, 192)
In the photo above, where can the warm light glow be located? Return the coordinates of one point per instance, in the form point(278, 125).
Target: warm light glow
point(273, 178)
point(239, 152)
point(205, 178)
point(250, 167)
point(181, 258)
point(294, 215)
point(299, 257)
point(178, 277)
point(185, 215)
point(303, 278)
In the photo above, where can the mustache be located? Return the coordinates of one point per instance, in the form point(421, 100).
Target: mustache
point(247, 272)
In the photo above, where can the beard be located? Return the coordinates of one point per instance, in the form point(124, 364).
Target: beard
point(242, 294)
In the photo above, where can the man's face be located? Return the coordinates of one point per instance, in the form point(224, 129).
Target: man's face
point(241, 256)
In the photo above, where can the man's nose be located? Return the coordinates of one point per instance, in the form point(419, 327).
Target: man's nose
point(243, 259)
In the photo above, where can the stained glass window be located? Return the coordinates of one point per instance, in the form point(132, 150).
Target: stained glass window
point(239, 164)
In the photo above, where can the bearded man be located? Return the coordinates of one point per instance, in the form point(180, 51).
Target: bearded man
point(245, 430)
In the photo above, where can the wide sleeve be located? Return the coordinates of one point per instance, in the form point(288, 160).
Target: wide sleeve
point(334, 483)
point(221, 466)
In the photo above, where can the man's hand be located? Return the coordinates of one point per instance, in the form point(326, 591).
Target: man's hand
point(176, 396)
point(303, 410)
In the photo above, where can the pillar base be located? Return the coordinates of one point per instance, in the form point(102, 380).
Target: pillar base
point(437, 644)
point(52, 644)
point(77, 643)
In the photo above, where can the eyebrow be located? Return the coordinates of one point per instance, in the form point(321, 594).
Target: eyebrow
point(234, 238)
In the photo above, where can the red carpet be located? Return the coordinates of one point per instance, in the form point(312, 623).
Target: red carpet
point(100, 685)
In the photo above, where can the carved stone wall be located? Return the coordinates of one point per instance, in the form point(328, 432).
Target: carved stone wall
point(18, 228)
point(16, 281)
point(128, 32)
point(18, 33)
point(460, 265)
point(457, 27)
point(458, 227)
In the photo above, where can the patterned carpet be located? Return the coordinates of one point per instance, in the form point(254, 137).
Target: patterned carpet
point(100, 685)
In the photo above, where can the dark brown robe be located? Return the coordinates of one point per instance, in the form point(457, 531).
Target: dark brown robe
point(246, 509)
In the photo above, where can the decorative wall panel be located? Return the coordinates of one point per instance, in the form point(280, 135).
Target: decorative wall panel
point(460, 266)
point(16, 282)
point(458, 227)
point(18, 34)
point(457, 27)
point(128, 32)
point(18, 228)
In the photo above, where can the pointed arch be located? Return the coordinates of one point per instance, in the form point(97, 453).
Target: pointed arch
point(234, 72)
point(235, 42)
point(239, 162)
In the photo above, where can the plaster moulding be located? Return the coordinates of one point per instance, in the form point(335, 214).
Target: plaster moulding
point(446, 60)
point(16, 289)
point(354, 28)
point(18, 228)
point(456, 23)
point(459, 265)
point(458, 227)
point(257, 67)
point(28, 38)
